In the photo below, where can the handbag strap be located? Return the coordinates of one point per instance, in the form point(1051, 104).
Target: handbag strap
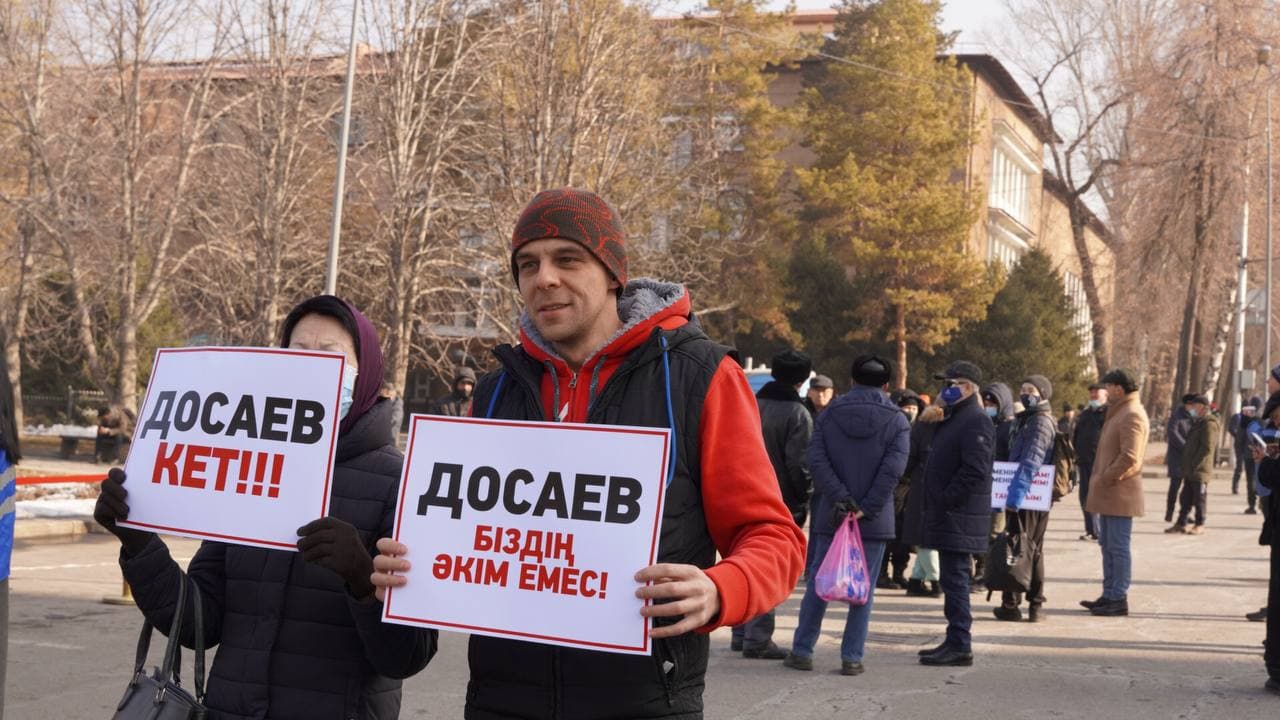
point(199, 637)
point(172, 651)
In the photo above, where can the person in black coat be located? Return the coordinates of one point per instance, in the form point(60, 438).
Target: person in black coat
point(1176, 436)
point(299, 635)
point(958, 502)
point(1268, 462)
point(1085, 441)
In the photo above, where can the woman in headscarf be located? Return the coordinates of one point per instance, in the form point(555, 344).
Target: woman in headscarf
point(300, 634)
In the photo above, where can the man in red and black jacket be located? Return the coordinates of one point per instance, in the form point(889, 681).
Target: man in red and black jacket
point(597, 348)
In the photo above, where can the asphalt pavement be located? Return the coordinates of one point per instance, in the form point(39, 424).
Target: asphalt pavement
point(1186, 650)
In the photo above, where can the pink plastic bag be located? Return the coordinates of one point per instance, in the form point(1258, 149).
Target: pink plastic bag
point(843, 574)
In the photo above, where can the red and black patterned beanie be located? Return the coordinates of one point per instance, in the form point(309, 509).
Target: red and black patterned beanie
point(577, 215)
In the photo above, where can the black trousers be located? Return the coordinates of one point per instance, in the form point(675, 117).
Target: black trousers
point(1171, 501)
point(1272, 652)
point(1033, 524)
point(1089, 527)
point(1194, 495)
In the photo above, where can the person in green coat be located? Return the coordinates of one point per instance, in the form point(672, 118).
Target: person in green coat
point(1197, 463)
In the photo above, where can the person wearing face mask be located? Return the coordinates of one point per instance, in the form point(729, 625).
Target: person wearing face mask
point(1197, 464)
point(1032, 446)
point(958, 503)
point(299, 635)
point(1084, 438)
point(997, 401)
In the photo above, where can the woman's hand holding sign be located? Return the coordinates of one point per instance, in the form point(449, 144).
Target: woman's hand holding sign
point(687, 591)
point(390, 560)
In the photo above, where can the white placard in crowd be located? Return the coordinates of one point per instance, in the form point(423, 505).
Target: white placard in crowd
point(235, 444)
point(530, 531)
point(1039, 497)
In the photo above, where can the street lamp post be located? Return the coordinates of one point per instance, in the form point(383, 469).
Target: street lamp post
point(1264, 59)
point(339, 185)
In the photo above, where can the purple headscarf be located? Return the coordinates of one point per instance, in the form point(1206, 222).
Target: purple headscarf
point(369, 381)
point(364, 337)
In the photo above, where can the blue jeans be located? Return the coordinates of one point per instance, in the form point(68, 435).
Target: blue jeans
point(955, 605)
point(1114, 535)
point(812, 608)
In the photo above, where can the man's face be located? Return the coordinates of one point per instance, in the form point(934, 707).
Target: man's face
point(911, 410)
point(1098, 395)
point(567, 292)
point(821, 397)
point(464, 388)
point(1115, 393)
point(1198, 409)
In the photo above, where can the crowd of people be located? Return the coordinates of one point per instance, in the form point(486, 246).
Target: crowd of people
point(299, 635)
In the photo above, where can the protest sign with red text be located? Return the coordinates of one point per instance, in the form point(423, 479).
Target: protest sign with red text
point(530, 531)
point(235, 444)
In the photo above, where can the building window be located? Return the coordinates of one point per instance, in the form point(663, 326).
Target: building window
point(1013, 169)
point(1003, 246)
point(1080, 318)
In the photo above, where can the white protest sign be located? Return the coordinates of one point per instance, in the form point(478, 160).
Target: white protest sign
point(1039, 497)
point(530, 531)
point(235, 444)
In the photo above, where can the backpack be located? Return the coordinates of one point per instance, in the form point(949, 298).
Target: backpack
point(1064, 464)
point(1009, 560)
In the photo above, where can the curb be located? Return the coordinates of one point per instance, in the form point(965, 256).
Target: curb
point(55, 529)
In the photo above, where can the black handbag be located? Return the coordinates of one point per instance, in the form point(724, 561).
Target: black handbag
point(160, 696)
point(1009, 560)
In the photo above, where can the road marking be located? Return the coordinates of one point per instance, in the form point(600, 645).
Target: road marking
point(43, 644)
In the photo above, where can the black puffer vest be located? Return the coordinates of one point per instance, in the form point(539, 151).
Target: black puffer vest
point(514, 679)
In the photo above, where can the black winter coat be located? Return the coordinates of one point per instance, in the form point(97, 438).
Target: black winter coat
point(517, 679)
point(1176, 435)
point(292, 642)
point(1085, 436)
point(922, 431)
point(958, 480)
point(787, 427)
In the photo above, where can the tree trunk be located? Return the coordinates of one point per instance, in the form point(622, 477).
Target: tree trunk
point(1220, 344)
point(900, 344)
point(126, 390)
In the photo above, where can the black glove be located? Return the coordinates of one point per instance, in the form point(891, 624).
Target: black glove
point(112, 507)
point(842, 509)
point(335, 545)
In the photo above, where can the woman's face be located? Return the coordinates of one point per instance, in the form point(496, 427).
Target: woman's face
point(321, 332)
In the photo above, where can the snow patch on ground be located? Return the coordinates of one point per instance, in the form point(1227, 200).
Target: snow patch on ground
point(56, 508)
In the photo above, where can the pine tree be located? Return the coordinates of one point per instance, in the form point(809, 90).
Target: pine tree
point(1029, 328)
point(889, 126)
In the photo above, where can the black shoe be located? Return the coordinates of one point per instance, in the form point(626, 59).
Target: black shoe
point(884, 582)
point(1260, 616)
point(948, 657)
point(851, 668)
point(795, 662)
point(916, 588)
point(1007, 613)
point(900, 581)
point(932, 650)
point(768, 652)
point(1250, 511)
point(1111, 608)
point(1034, 614)
point(735, 645)
point(1091, 604)
point(1089, 537)
point(1273, 686)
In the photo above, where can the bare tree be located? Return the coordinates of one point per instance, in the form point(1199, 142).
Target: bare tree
point(145, 124)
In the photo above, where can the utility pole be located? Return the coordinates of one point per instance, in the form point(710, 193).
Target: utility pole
point(339, 186)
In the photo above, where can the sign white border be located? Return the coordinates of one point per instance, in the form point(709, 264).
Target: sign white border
point(644, 645)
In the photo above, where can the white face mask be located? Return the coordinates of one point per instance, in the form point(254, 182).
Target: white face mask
point(349, 375)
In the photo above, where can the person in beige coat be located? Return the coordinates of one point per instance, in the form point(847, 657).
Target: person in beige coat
point(1115, 488)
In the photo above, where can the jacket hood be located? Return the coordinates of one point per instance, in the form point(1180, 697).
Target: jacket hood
point(371, 431)
point(861, 413)
point(644, 305)
point(1004, 399)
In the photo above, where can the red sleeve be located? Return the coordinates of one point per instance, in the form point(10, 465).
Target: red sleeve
point(761, 548)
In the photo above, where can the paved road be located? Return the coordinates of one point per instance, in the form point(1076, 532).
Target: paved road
point(1186, 652)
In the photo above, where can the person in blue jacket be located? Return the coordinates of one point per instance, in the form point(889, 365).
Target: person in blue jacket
point(858, 452)
point(1031, 447)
